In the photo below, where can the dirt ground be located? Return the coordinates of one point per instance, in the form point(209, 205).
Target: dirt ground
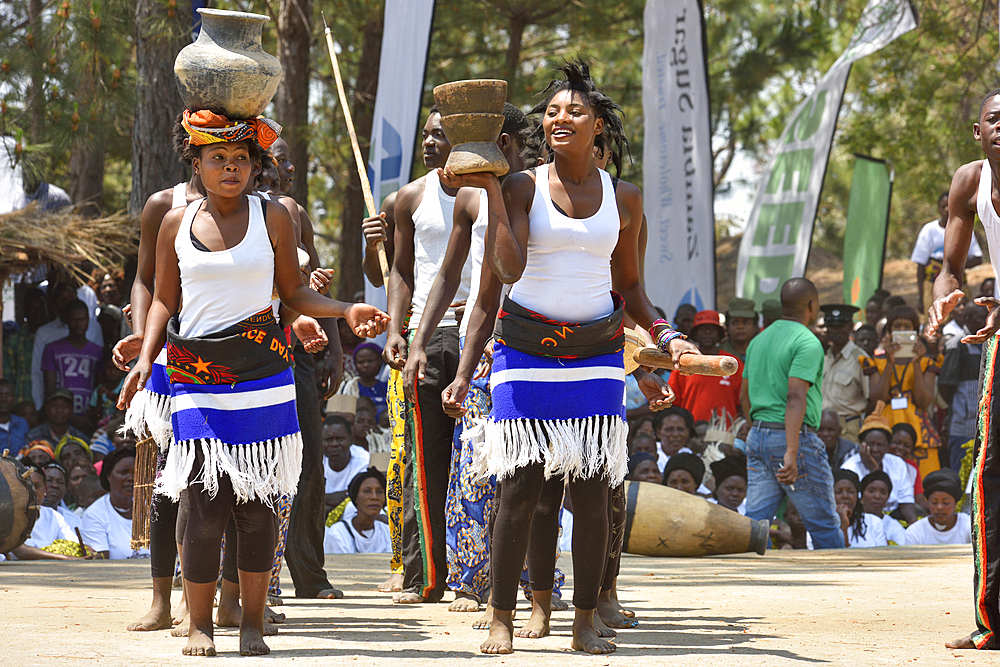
point(860, 607)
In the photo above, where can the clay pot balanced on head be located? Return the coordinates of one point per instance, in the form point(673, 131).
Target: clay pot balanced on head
point(227, 70)
point(472, 117)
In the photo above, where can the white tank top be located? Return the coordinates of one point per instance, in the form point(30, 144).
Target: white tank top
point(219, 289)
point(179, 195)
point(477, 253)
point(567, 276)
point(432, 222)
point(990, 219)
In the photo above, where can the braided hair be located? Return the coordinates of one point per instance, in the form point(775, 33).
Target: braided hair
point(857, 517)
point(577, 78)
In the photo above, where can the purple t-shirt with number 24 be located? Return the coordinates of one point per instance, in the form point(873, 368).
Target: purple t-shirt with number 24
point(76, 370)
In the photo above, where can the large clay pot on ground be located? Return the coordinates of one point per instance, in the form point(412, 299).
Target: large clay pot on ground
point(661, 521)
point(227, 70)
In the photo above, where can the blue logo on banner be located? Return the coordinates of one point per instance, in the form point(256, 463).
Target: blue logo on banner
point(693, 297)
point(393, 147)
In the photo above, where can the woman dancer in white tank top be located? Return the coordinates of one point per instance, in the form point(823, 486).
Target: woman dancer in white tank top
point(239, 464)
point(565, 236)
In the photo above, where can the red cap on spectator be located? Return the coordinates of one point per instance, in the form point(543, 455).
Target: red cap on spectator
point(707, 317)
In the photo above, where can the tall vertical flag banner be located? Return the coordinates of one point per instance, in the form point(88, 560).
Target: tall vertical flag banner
point(867, 224)
point(405, 37)
point(776, 242)
point(677, 157)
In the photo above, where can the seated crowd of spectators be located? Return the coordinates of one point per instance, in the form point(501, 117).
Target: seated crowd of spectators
point(897, 424)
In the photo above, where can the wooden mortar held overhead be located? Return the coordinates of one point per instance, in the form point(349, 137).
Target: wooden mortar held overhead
point(472, 117)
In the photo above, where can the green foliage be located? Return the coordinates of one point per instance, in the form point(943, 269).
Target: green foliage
point(68, 81)
point(914, 103)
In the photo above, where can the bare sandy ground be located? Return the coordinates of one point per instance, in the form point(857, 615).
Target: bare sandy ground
point(863, 607)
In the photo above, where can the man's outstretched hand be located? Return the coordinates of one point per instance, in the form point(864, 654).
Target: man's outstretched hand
point(992, 321)
point(940, 310)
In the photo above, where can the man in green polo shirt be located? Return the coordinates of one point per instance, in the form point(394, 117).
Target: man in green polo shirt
point(783, 374)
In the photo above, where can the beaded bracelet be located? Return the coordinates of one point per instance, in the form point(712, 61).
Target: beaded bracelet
point(664, 338)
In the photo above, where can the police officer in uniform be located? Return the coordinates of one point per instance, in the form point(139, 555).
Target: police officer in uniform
point(845, 388)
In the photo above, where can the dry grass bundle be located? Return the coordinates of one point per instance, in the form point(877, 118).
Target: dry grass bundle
point(31, 236)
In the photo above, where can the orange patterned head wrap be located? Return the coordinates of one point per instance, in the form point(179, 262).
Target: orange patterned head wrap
point(205, 127)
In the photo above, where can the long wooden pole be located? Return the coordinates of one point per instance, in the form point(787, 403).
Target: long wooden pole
point(366, 187)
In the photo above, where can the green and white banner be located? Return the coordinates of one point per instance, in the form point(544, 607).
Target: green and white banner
point(776, 242)
point(864, 235)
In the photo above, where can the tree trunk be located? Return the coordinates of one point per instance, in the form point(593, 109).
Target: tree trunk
point(516, 32)
point(362, 110)
point(35, 90)
point(155, 165)
point(291, 103)
point(86, 178)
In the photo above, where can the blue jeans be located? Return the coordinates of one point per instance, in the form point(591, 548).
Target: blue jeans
point(812, 492)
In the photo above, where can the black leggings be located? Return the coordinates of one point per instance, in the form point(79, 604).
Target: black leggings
point(616, 527)
point(529, 510)
point(162, 547)
point(230, 570)
point(207, 520)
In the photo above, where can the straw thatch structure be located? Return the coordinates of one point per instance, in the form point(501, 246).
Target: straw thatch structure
point(31, 236)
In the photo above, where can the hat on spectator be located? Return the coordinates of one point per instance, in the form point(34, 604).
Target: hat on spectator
point(946, 480)
point(876, 476)
point(42, 445)
point(876, 422)
point(72, 439)
point(707, 317)
point(354, 488)
point(637, 458)
point(689, 462)
point(740, 307)
point(59, 392)
point(731, 466)
point(849, 475)
point(838, 313)
point(772, 310)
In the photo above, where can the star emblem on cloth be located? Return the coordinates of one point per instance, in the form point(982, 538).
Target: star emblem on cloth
point(201, 366)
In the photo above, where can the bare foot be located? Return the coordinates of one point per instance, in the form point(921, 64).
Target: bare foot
point(408, 598)
point(464, 602)
point(157, 618)
point(228, 615)
point(537, 625)
point(484, 621)
point(558, 604)
point(252, 642)
point(602, 629)
point(180, 630)
point(180, 613)
point(500, 640)
point(393, 584)
point(964, 642)
point(272, 616)
point(585, 637)
point(325, 594)
point(199, 643)
point(275, 601)
point(612, 616)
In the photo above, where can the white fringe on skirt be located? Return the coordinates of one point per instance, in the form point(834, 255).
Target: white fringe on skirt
point(259, 471)
point(573, 448)
point(149, 413)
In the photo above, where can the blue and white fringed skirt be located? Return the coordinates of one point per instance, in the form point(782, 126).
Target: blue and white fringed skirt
point(566, 413)
point(248, 431)
point(149, 411)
